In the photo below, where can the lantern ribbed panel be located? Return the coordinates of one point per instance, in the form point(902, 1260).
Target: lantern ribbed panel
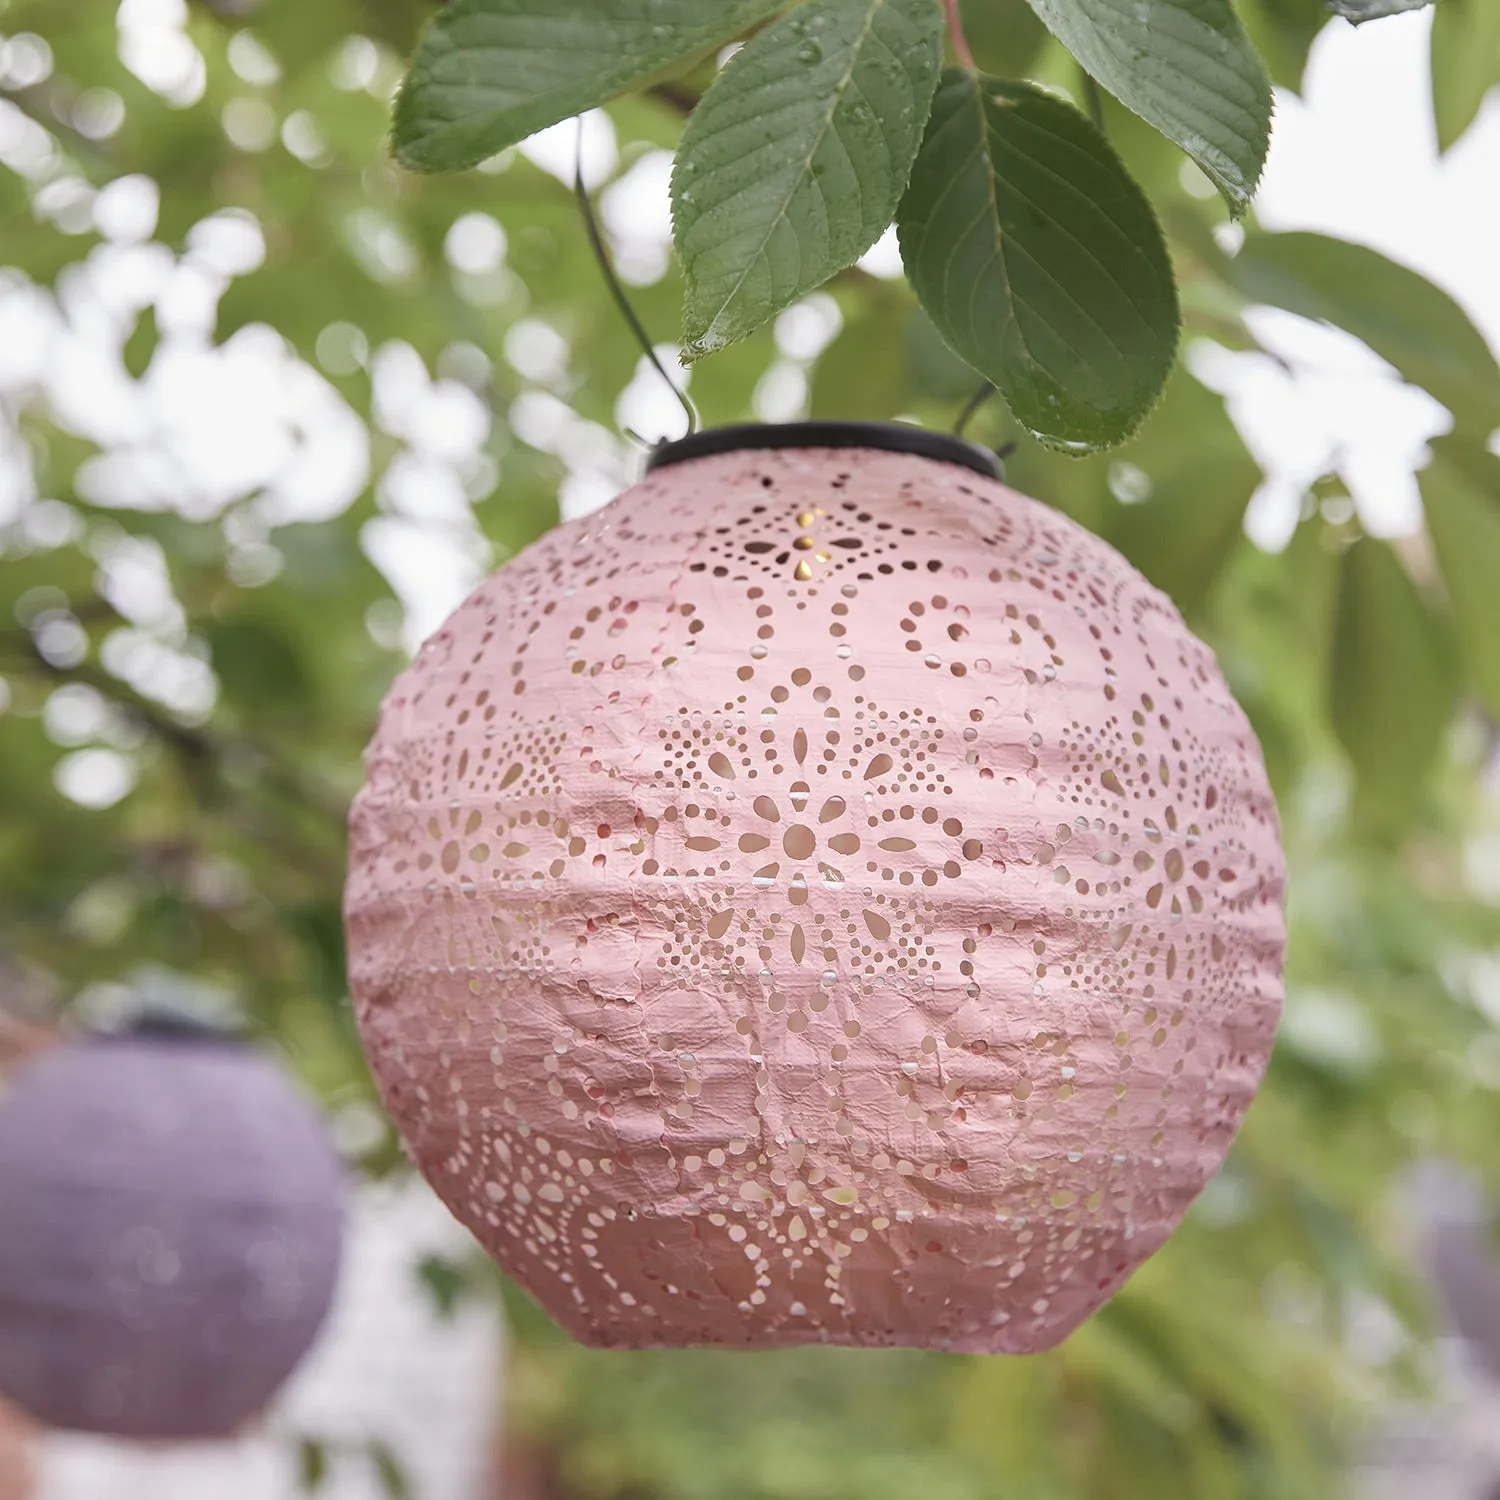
point(170, 1219)
point(823, 896)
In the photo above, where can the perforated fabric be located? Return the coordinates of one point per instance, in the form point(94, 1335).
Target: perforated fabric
point(823, 896)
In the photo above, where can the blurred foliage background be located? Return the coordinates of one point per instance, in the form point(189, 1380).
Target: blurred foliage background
point(269, 406)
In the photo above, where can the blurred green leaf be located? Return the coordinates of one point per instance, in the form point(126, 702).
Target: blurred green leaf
point(1393, 685)
point(1002, 1412)
point(527, 1322)
point(1200, 478)
point(1282, 31)
point(312, 1465)
point(391, 1472)
point(1402, 316)
point(1185, 66)
point(258, 668)
point(935, 371)
point(488, 73)
point(793, 163)
point(1040, 261)
point(1004, 35)
point(1465, 63)
point(864, 374)
point(141, 344)
point(1461, 496)
point(320, 926)
point(445, 1281)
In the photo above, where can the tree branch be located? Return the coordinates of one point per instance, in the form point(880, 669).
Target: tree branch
point(204, 756)
point(677, 97)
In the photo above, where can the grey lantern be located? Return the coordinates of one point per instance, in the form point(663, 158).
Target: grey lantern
point(170, 1227)
point(1461, 1253)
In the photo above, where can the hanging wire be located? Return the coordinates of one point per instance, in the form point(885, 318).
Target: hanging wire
point(617, 291)
point(972, 407)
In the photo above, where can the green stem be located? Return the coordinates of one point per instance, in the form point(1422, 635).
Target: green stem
point(972, 406)
point(960, 41)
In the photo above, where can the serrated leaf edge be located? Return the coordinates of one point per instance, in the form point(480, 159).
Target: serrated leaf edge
point(1068, 448)
point(1236, 198)
point(399, 105)
point(695, 344)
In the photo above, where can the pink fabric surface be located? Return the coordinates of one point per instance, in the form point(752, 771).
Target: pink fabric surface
point(823, 896)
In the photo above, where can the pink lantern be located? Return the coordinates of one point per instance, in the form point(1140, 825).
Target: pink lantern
point(822, 897)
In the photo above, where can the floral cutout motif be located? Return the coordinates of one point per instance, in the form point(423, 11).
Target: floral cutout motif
point(879, 943)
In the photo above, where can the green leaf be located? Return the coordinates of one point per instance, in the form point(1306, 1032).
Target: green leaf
point(1358, 11)
point(1393, 682)
point(319, 926)
point(1005, 36)
point(1185, 66)
point(312, 1465)
point(935, 370)
point(1461, 495)
point(795, 160)
point(1401, 315)
point(525, 1320)
point(258, 668)
point(1201, 478)
point(1040, 261)
point(1282, 31)
point(446, 1282)
point(488, 73)
point(863, 375)
point(141, 344)
point(392, 1474)
point(1465, 63)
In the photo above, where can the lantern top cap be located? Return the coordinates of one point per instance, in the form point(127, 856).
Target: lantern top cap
point(888, 437)
point(158, 1021)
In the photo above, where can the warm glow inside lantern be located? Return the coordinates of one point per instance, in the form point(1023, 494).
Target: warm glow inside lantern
point(170, 1218)
point(823, 896)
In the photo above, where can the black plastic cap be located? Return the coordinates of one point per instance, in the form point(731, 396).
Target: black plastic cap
point(887, 437)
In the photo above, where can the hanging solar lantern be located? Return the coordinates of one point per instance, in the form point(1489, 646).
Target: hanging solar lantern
point(1455, 1235)
point(169, 1233)
point(824, 896)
